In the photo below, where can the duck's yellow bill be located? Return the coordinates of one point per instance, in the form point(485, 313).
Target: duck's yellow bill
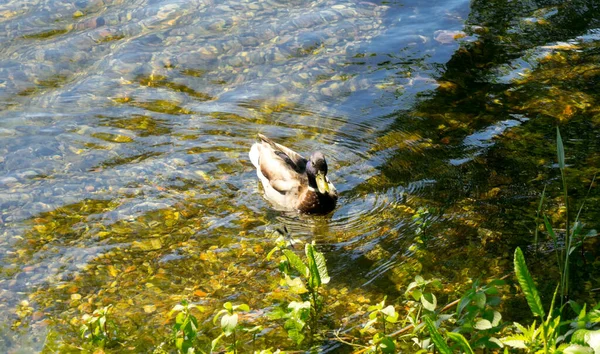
point(322, 183)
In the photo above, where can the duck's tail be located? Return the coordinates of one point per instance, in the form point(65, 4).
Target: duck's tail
point(254, 155)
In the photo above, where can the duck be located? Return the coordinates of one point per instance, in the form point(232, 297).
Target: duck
point(292, 182)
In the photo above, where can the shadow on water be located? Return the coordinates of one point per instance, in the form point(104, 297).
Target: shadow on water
point(483, 143)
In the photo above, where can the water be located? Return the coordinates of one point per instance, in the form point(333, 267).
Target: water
point(125, 127)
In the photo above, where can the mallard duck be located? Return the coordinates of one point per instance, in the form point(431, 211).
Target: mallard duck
point(292, 182)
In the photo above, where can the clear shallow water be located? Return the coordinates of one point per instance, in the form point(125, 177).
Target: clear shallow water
point(125, 126)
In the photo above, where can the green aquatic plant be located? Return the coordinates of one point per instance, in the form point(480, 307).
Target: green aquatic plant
point(97, 327)
point(583, 337)
point(477, 317)
point(420, 302)
point(474, 325)
point(436, 337)
point(229, 326)
point(564, 279)
point(573, 237)
point(533, 338)
point(305, 279)
point(185, 329)
point(382, 315)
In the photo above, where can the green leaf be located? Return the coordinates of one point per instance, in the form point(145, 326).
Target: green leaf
point(549, 228)
point(496, 341)
point(437, 338)
point(429, 304)
point(522, 328)
point(560, 150)
point(242, 307)
point(296, 263)
point(321, 266)
point(578, 336)
point(296, 285)
point(592, 338)
point(297, 306)
point(464, 302)
point(317, 267)
point(277, 314)
point(492, 290)
point(369, 324)
point(192, 328)
point(577, 349)
point(314, 279)
point(497, 319)
point(179, 343)
point(594, 316)
point(483, 324)
point(270, 254)
point(416, 294)
point(479, 299)
point(82, 330)
point(216, 316)
point(461, 341)
point(294, 330)
point(515, 342)
point(527, 284)
point(390, 314)
point(180, 318)
point(411, 286)
point(228, 323)
point(178, 308)
point(497, 282)
point(387, 345)
point(253, 329)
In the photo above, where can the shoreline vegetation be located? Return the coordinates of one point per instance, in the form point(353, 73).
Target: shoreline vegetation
point(414, 322)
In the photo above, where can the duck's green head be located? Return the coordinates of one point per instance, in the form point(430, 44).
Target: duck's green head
point(316, 169)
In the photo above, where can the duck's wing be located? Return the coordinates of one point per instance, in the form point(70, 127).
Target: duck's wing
point(275, 171)
point(291, 158)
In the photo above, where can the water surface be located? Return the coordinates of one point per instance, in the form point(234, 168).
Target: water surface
point(125, 127)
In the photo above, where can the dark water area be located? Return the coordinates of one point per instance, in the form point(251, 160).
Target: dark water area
point(125, 127)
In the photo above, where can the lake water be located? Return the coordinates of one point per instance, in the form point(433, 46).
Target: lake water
point(125, 127)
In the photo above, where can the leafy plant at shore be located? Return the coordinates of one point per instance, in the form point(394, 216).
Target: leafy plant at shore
point(304, 278)
point(477, 317)
point(382, 315)
point(436, 337)
point(97, 327)
point(185, 329)
point(422, 302)
point(546, 337)
point(229, 325)
point(534, 338)
point(574, 237)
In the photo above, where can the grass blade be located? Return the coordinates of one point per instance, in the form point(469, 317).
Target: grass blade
point(537, 217)
point(527, 284)
point(584, 199)
point(555, 240)
point(560, 150)
point(462, 342)
point(564, 283)
point(436, 337)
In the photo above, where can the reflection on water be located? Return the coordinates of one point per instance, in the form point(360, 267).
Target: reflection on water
point(125, 126)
